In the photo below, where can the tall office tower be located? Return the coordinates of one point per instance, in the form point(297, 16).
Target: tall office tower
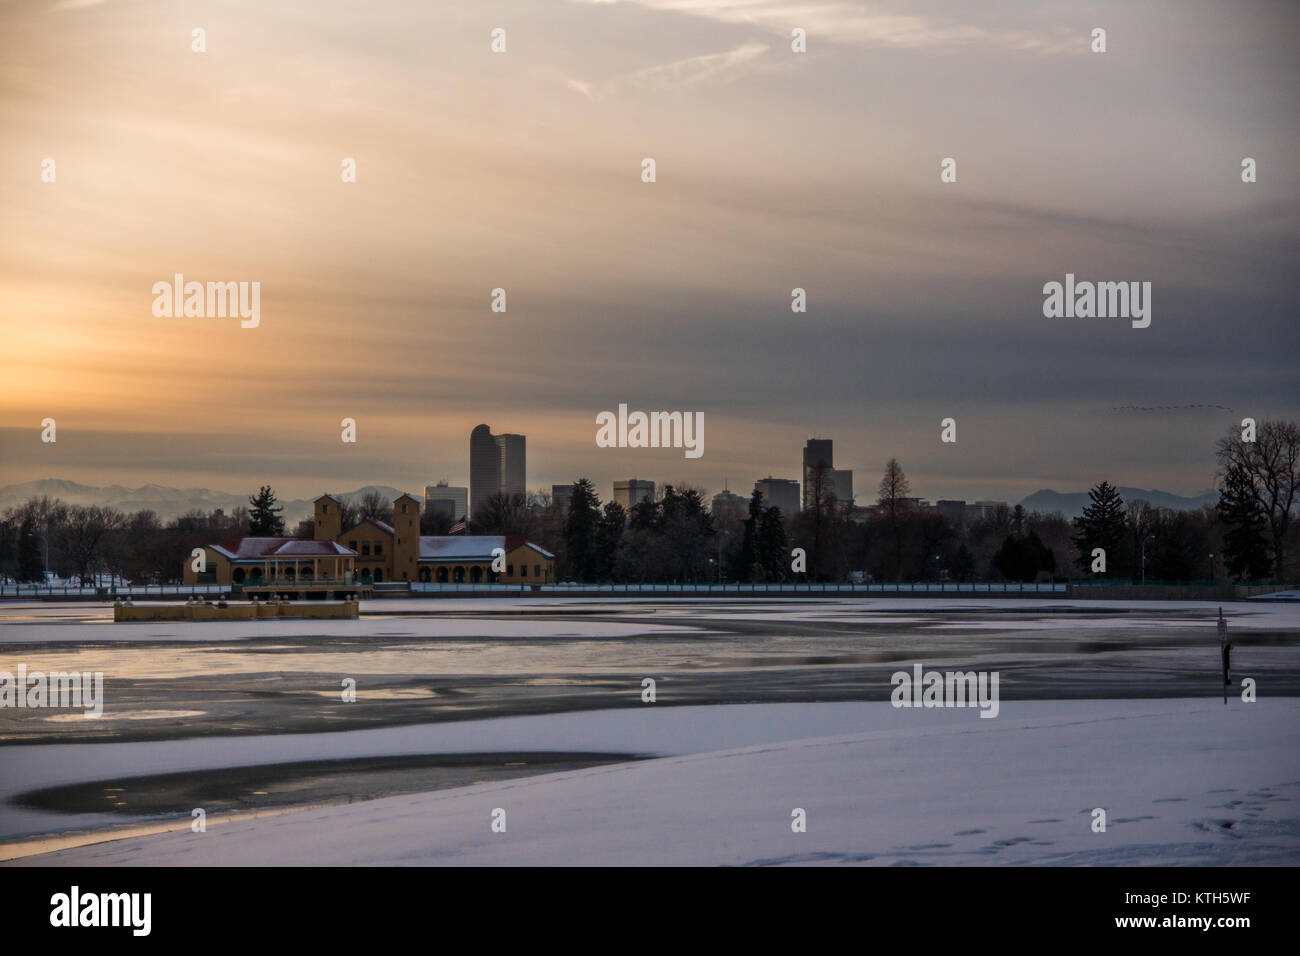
point(729, 506)
point(514, 477)
point(816, 451)
point(451, 501)
point(560, 495)
point(628, 493)
point(842, 484)
point(780, 493)
point(484, 467)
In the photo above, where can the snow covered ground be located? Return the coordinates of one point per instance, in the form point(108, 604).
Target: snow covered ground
point(1181, 781)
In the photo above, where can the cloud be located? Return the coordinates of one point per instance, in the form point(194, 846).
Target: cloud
point(581, 87)
point(695, 69)
point(875, 25)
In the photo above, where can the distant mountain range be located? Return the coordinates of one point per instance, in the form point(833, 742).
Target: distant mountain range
point(171, 502)
point(1072, 503)
point(167, 502)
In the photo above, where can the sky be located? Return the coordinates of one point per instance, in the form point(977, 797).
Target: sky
point(521, 170)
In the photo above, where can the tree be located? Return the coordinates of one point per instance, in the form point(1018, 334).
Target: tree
point(963, 565)
point(86, 533)
point(748, 563)
point(609, 533)
point(580, 530)
point(1245, 542)
point(773, 553)
point(1273, 463)
point(504, 513)
point(264, 519)
point(1102, 526)
point(349, 514)
point(435, 521)
point(1021, 557)
point(31, 566)
point(894, 492)
point(373, 506)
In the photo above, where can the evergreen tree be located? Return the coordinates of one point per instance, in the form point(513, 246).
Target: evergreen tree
point(773, 551)
point(963, 564)
point(31, 566)
point(1102, 526)
point(748, 567)
point(1021, 557)
point(609, 533)
point(264, 519)
point(1245, 543)
point(580, 530)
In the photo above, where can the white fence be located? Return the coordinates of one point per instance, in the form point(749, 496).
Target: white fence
point(944, 587)
point(203, 590)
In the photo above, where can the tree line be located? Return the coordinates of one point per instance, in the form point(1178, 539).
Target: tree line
point(1250, 535)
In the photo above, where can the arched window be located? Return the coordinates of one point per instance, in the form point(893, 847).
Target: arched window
point(458, 575)
point(238, 575)
point(476, 575)
point(256, 574)
point(442, 575)
point(379, 575)
point(424, 575)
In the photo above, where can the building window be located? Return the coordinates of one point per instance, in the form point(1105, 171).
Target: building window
point(379, 548)
point(523, 570)
point(537, 570)
point(365, 547)
point(403, 507)
point(324, 509)
point(352, 545)
point(510, 570)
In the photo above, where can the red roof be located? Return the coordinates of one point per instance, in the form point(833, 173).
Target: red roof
point(253, 549)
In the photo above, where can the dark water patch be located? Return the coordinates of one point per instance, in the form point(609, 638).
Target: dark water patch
point(305, 782)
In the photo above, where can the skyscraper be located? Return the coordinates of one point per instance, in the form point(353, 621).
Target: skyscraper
point(816, 451)
point(451, 501)
point(628, 493)
point(514, 473)
point(497, 463)
point(484, 467)
point(839, 482)
point(780, 493)
point(729, 506)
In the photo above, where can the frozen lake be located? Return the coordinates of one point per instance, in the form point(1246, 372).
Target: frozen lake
point(461, 697)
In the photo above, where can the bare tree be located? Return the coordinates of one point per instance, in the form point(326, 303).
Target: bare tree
point(374, 507)
point(505, 513)
point(894, 494)
point(1273, 463)
point(86, 534)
